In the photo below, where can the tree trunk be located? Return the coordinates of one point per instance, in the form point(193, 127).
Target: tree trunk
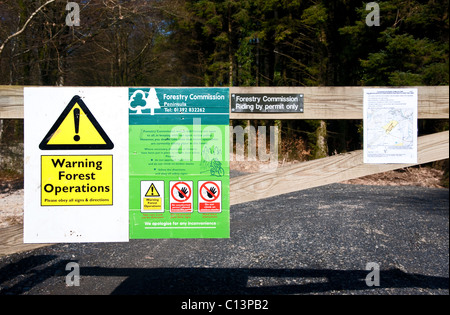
point(321, 142)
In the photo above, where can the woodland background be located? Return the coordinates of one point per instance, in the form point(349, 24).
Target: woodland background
point(228, 43)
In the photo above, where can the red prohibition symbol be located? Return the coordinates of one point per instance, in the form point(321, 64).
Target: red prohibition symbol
point(210, 191)
point(183, 193)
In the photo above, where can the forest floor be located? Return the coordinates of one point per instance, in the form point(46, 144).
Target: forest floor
point(11, 186)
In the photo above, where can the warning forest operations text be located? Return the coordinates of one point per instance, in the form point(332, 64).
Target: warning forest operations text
point(72, 177)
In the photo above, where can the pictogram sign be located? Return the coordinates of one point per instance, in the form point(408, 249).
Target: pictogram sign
point(152, 196)
point(152, 191)
point(181, 198)
point(209, 196)
point(76, 129)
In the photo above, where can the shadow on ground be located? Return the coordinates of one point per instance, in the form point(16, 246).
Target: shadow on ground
point(208, 281)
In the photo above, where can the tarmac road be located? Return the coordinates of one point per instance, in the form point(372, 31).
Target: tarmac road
point(316, 241)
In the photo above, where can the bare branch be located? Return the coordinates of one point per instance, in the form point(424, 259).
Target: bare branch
point(25, 25)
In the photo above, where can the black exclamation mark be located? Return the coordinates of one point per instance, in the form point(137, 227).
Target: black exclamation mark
point(76, 116)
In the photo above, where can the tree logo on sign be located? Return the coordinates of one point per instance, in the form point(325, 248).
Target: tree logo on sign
point(139, 102)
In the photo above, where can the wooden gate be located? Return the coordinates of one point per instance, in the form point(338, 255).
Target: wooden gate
point(325, 103)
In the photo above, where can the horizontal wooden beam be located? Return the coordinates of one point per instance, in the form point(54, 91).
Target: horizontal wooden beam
point(319, 102)
point(11, 102)
point(326, 171)
point(11, 241)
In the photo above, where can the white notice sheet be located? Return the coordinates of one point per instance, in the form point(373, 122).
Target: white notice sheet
point(390, 125)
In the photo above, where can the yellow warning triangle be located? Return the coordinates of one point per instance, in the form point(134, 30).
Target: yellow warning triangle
point(152, 192)
point(76, 129)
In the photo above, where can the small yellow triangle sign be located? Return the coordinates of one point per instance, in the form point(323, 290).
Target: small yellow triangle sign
point(76, 129)
point(152, 192)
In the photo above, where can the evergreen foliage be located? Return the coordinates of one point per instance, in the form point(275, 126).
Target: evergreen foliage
point(232, 43)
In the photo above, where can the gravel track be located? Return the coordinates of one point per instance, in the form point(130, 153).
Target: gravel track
point(316, 241)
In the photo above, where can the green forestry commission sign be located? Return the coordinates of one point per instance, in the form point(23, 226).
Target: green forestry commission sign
point(179, 163)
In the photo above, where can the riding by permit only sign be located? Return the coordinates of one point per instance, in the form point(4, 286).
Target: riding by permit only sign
point(111, 164)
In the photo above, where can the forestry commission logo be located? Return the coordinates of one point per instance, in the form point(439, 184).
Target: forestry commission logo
point(143, 101)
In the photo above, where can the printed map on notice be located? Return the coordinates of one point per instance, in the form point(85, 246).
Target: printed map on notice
point(390, 125)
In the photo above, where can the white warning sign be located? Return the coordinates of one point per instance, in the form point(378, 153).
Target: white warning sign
point(75, 161)
point(152, 196)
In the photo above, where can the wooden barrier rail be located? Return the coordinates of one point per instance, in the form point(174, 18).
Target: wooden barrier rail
point(343, 102)
point(327, 170)
point(319, 102)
